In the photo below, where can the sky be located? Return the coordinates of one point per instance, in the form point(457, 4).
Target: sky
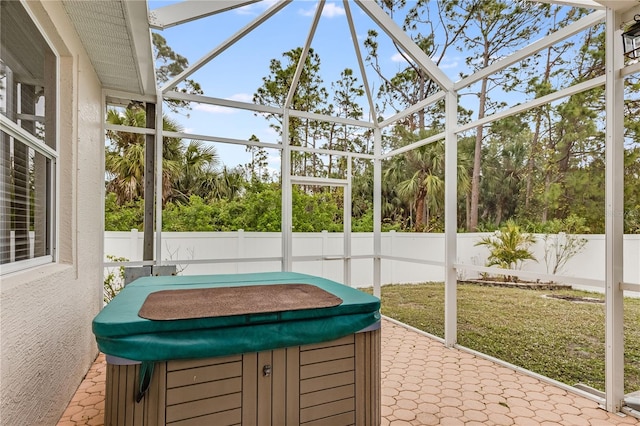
point(238, 72)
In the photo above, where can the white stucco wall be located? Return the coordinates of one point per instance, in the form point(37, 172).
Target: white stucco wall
point(46, 343)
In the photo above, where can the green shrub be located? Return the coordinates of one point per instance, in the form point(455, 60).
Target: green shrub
point(508, 247)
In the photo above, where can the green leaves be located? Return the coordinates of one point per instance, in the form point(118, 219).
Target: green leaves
point(258, 209)
point(508, 247)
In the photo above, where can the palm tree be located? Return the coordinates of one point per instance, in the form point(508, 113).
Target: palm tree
point(226, 184)
point(124, 157)
point(420, 177)
point(197, 165)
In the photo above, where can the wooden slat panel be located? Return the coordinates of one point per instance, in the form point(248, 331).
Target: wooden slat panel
point(293, 386)
point(110, 413)
point(203, 407)
point(278, 387)
point(322, 382)
point(224, 418)
point(327, 395)
point(325, 410)
point(182, 364)
point(368, 388)
point(249, 389)
point(326, 354)
point(324, 368)
point(204, 390)
point(140, 407)
point(120, 392)
point(344, 419)
point(341, 341)
point(132, 375)
point(203, 374)
point(264, 389)
point(375, 372)
point(121, 395)
point(154, 401)
point(361, 379)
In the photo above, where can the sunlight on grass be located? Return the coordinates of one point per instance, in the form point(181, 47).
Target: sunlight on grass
point(557, 338)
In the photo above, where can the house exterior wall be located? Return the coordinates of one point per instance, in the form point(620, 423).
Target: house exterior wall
point(46, 340)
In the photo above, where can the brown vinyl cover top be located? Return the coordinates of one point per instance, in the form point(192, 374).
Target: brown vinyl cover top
point(166, 305)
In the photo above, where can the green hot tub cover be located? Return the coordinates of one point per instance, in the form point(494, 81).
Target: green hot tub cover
point(121, 332)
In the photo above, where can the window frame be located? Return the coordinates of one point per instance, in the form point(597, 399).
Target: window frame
point(51, 177)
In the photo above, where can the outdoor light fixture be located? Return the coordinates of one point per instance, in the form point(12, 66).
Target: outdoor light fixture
point(631, 39)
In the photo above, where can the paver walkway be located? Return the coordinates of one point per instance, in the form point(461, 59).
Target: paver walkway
point(425, 383)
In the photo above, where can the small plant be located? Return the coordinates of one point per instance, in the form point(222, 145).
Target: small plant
point(114, 280)
point(176, 253)
point(508, 248)
point(561, 242)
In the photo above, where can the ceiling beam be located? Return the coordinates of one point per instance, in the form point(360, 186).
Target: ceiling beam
point(136, 14)
point(303, 56)
point(589, 4)
point(190, 10)
point(373, 115)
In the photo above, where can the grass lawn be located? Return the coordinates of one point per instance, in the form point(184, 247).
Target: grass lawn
point(560, 339)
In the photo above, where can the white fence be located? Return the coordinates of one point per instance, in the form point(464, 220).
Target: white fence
point(321, 254)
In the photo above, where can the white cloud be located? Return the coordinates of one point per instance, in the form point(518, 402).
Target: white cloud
point(216, 109)
point(330, 10)
point(255, 8)
point(213, 109)
point(398, 58)
point(242, 97)
point(448, 64)
point(274, 159)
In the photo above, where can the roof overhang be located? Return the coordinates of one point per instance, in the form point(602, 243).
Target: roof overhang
point(117, 39)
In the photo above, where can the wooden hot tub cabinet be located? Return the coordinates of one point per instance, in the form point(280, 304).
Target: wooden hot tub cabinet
point(332, 383)
point(275, 348)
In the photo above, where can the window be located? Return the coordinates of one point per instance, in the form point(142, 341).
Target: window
point(28, 148)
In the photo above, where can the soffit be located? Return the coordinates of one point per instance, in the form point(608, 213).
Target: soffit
point(115, 34)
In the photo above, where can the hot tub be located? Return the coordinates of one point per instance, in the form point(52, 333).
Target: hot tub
point(171, 359)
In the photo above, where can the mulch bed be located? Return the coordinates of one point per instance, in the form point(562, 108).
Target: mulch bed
point(531, 285)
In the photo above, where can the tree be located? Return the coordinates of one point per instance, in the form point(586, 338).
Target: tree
point(504, 166)
point(539, 84)
point(496, 27)
point(124, 161)
point(343, 137)
point(170, 64)
point(197, 166)
point(424, 182)
point(412, 84)
point(186, 170)
point(309, 96)
point(256, 169)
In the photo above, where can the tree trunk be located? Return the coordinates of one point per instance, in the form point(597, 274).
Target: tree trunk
point(535, 142)
point(477, 159)
point(419, 223)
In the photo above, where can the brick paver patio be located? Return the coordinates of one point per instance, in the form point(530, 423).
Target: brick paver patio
point(425, 383)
